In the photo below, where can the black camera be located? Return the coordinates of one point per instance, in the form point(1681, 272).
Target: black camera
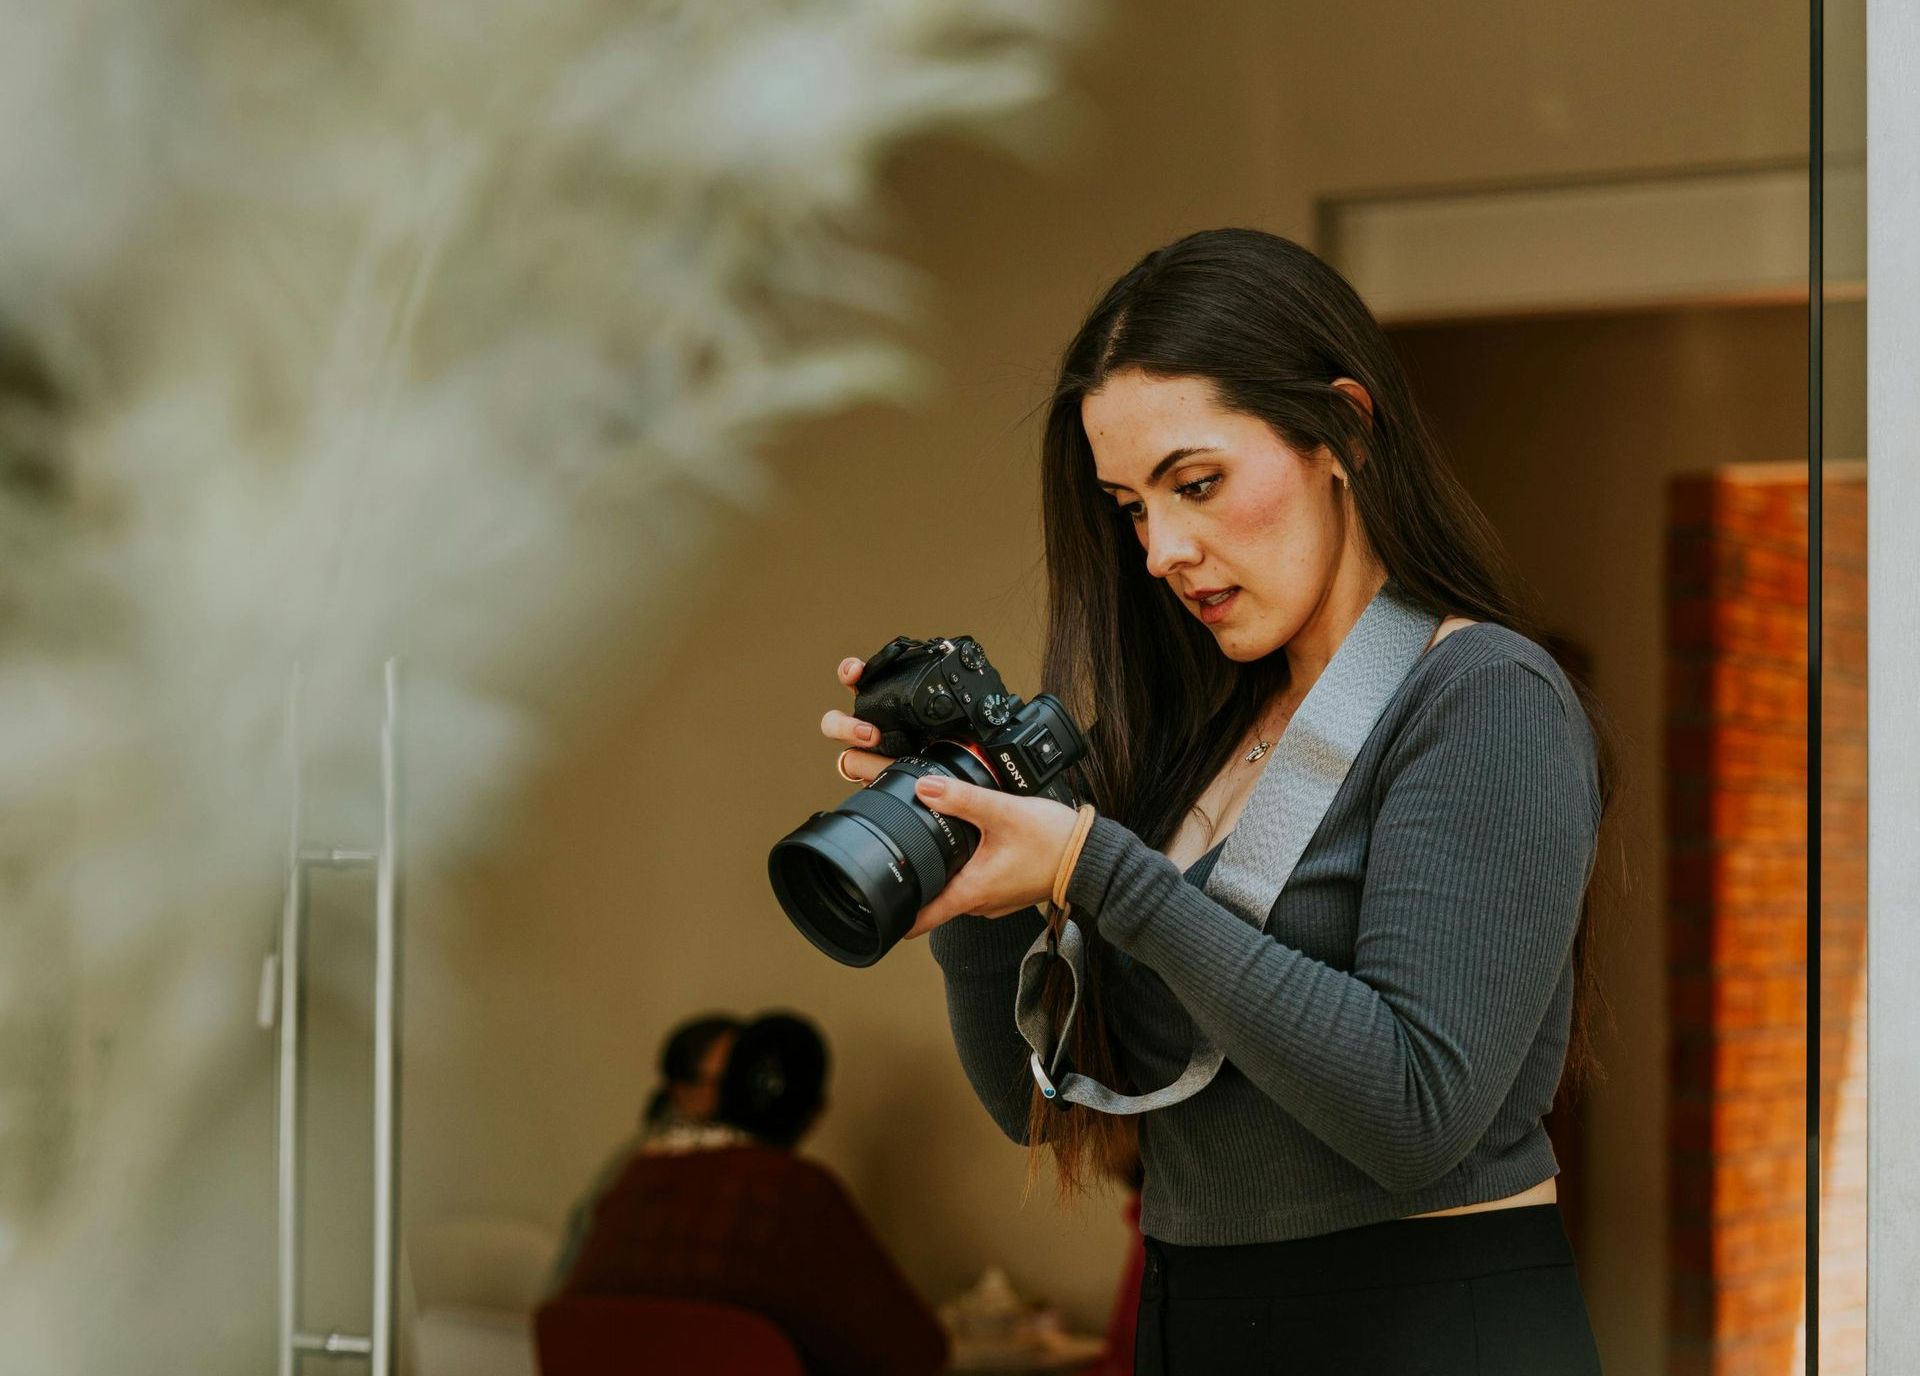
point(852, 879)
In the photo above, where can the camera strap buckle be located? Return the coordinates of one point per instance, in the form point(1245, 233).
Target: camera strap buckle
point(1047, 1089)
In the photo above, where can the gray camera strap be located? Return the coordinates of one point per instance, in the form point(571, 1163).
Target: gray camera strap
point(1308, 766)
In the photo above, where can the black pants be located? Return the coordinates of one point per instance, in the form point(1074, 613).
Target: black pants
point(1486, 1294)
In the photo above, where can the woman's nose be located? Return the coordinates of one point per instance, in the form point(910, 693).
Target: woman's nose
point(1168, 548)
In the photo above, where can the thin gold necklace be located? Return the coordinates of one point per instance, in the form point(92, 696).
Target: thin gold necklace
point(1262, 744)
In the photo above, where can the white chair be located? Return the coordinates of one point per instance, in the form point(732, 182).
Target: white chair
point(475, 1283)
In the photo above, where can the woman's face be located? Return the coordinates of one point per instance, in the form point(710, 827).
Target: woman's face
point(1222, 505)
point(699, 1100)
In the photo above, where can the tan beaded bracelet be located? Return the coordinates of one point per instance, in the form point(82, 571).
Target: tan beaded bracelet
point(1070, 857)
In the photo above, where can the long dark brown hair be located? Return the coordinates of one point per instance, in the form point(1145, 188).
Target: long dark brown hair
point(1270, 327)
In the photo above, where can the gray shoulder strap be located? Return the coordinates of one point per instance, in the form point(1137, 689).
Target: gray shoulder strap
point(1310, 763)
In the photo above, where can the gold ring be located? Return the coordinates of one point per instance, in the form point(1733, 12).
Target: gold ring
point(840, 766)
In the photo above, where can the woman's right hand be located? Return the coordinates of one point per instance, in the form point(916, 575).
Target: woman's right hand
point(861, 762)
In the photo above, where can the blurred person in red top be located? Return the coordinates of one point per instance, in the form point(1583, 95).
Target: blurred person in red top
point(728, 1213)
point(692, 1060)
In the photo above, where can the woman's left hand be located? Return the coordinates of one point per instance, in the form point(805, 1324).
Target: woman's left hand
point(1021, 843)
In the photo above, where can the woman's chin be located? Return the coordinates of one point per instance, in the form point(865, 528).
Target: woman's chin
point(1241, 647)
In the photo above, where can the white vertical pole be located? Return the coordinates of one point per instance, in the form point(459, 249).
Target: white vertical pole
point(287, 1082)
point(378, 1346)
point(1893, 687)
point(386, 1039)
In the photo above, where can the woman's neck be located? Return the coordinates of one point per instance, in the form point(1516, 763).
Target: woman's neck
point(1353, 587)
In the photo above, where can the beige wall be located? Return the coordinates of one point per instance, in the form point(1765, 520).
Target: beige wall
point(634, 891)
point(1416, 96)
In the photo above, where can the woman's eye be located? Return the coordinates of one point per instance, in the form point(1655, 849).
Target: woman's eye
point(1196, 491)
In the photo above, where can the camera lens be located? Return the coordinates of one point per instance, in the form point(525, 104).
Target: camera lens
point(843, 918)
point(853, 879)
point(848, 892)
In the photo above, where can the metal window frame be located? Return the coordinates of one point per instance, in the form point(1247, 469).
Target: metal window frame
point(1893, 704)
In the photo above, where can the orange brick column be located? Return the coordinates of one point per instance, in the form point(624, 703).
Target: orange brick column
point(1843, 928)
point(1736, 825)
point(1736, 822)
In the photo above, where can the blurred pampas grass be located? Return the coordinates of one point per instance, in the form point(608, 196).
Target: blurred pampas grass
point(340, 331)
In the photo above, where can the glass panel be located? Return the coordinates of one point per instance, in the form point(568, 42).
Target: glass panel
point(1840, 1106)
point(540, 352)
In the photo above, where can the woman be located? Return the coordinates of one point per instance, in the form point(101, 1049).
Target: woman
point(738, 1217)
point(678, 1117)
point(1235, 478)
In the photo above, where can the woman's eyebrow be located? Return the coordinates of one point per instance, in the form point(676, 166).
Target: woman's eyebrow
point(1160, 469)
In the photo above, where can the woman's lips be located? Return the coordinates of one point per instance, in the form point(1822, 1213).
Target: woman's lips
point(1212, 612)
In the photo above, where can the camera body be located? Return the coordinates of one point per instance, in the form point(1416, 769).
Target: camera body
point(919, 691)
point(853, 879)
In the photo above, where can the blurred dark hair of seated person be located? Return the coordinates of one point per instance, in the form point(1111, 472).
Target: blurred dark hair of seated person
point(735, 1217)
point(692, 1061)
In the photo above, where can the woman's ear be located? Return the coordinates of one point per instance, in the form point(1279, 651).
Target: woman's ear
point(1356, 394)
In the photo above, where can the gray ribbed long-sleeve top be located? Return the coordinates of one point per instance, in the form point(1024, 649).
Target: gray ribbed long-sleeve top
point(1396, 1033)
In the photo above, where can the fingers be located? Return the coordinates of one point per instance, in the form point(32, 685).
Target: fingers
point(924, 923)
point(951, 903)
point(838, 726)
point(970, 803)
point(945, 907)
point(860, 763)
point(861, 766)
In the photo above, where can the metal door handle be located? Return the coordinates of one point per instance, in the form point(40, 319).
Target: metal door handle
point(286, 970)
